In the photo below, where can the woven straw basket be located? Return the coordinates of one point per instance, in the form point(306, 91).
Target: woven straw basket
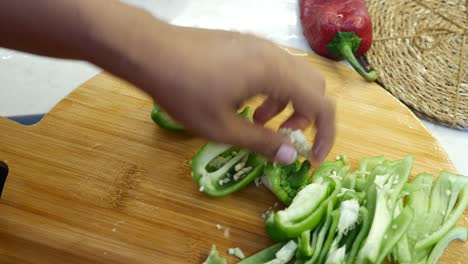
point(420, 51)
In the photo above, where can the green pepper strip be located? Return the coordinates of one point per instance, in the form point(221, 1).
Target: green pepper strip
point(350, 238)
point(309, 250)
point(402, 252)
point(322, 234)
point(325, 169)
point(460, 233)
point(397, 229)
point(365, 226)
point(330, 236)
point(280, 231)
point(448, 224)
point(307, 247)
point(263, 256)
point(163, 120)
point(214, 257)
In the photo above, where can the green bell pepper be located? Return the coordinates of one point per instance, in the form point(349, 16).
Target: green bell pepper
point(263, 256)
point(221, 170)
point(397, 229)
point(337, 168)
point(285, 181)
point(305, 212)
point(385, 185)
point(163, 120)
point(308, 249)
point(459, 232)
point(330, 236)
point(214, 257)
point(363, 231)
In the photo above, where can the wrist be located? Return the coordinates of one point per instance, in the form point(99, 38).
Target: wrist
point(122, 37)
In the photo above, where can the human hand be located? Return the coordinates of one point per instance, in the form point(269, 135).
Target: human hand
point(201, 77)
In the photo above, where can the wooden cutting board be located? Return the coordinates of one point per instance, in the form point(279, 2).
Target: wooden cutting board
point(96, 181)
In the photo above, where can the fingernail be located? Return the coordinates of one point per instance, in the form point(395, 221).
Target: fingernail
point(286, 154)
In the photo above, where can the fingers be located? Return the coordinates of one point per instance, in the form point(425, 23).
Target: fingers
point(269, 108)
point(305, 87)
point(259, 139)
point(325, 137)
point(296, 121)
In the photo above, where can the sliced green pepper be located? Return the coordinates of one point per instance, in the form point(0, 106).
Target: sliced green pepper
point(330, 237)
point(317, 247)
point(306, 246)
point(285, 181)
point(163, 120)
point(363, 231)
point(397, 229)
point(221, 170)
point(285, 254)
point(460, 233)
point(214, 257)
point(305, 211)
point(263, 256)
point(386, 182)
point(337, 168)
point(456, 213)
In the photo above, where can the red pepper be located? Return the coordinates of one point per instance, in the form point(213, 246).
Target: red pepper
point(338, 29)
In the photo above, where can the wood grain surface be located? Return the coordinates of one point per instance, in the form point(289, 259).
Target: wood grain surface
point(96, 181)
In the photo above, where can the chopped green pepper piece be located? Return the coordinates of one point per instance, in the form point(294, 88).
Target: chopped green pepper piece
point(369, 164)
point(460, 233)
point(322, 234)
point(214, 257)
point(221, 170)
point(304, 213)
point(285, 254)
point(305, 248)
point(389, 178)
point(312, 250)
point(163, 120)
point(397, 229)
point(363, 231)
point(455, 214)
point(337, 168)
point(330, 237)
point(263, 256)
point(285, 181)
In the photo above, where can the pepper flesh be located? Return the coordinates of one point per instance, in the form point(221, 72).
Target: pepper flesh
point(264, 255)
point(388, 179)
point(443, 203)
point(285, 181)
point(214, 257)
point(312, 250)
point(338, 29)
point(163, 120)
point(459, 232)
point(215, 167)
point(281, 228)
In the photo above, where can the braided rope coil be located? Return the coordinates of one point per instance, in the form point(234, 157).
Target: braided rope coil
point(419, 50)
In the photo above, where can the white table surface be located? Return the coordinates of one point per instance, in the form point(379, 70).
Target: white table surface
point(30, 84)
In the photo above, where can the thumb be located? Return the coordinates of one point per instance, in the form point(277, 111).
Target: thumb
point(262, 140)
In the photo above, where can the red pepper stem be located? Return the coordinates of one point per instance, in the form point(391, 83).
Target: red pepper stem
point(346, 52)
